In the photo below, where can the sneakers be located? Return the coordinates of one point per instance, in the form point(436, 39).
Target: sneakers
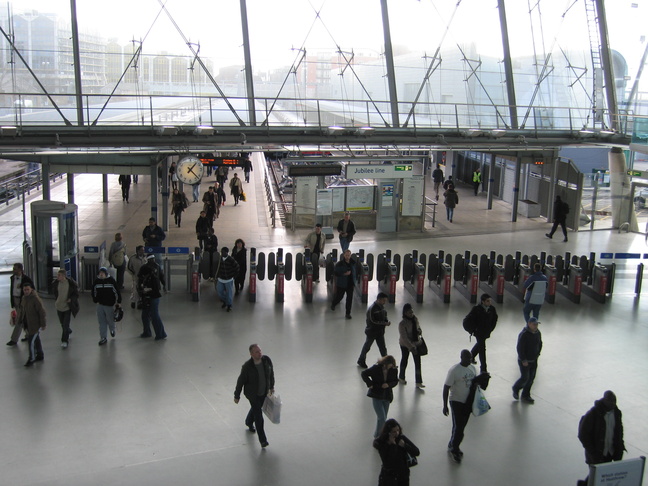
point(251, 429)
point(265, 444)
point(229, 308)
point(64, 345)
point(528, 400)
point(420, 385)
point(362, 364)
point(103, 341)
point(402, 381)
point(11, 343)
point(223, 305)
point(516, 394)
point(112, 333)
point(456, 456)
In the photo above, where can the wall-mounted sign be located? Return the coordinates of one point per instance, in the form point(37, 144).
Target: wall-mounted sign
point(379, 171)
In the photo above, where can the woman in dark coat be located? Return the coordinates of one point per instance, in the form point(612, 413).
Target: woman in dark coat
point(394, 448)
point(380, 379)
point(178, 205)
point(239, 253)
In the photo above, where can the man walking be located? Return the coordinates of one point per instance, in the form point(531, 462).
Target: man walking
point(529, 345)
point(535, 288)
point(125, 183)
point(17, 280)
point(150, 280)
point(346, 229)
point(31, 316)
point(257, 381)
point(228, 268)
point(107, 297)
point(457, 389)
point(316, 242)
point(476, 180)
point(375, 330)
point(481, 322)
point(601, 432)
point(202, 228)
point(66, 295)
point(560, 212)
point(209, 205)
point(345, 276)
point(236, 188)
point(153, 237)
point(437, 178)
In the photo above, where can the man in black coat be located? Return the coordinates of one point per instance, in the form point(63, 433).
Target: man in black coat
point(601, 432)
point(529, 345)
point(481, 322)
point(560, 212)
point(257, 381)
point(375, 330)
point(346, 229)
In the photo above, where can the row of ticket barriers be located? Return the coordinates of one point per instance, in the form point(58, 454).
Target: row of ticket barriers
point(468, 274)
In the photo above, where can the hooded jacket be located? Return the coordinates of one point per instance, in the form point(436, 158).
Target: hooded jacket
point(591, 433)
point(529, 345)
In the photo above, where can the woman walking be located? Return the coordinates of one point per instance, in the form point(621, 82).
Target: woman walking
point(394, 449)
point(380, 379)
point(450, 201)
point(178, 205)
point(410, 341)
point(239, 253)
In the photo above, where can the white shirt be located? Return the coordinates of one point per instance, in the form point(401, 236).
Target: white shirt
point(459, 379)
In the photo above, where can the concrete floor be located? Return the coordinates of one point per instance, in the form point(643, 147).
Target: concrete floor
point(138, 412)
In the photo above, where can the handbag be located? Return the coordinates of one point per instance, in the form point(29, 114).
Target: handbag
point(422, 348)
point(272, 408)
point(480, 405)
point(411, 460)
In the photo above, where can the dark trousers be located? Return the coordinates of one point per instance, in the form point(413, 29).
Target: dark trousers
point(460, 416)
point(64, 319)
point(555, 227)
point(151, 314)
point(339, 294)
point(527, 375)
point(480, 348)
point(121, 271)
point(476, 187)
point(125, 192)
point(201, 241)
point(371, 337)
point(255, 416)
point(35, 346)
point(315, 261)
point(405, 352)
point(239, 282)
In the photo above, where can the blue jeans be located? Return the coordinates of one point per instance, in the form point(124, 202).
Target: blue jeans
point(64, 319)
point(344, 243)
point(528, 308)
point(527, 375)
point(151, 313)
point(105, 315)
point(225, 291)
point(449, 213)
point(382, 409)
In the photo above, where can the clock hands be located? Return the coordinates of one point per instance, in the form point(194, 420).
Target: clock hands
point(190, 169)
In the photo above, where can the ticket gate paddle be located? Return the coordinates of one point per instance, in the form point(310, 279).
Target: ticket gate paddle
point(252, 281)
point(602, 282)
point(364, 274)
point(440, 275)
point(414, 274)
point(388, 273)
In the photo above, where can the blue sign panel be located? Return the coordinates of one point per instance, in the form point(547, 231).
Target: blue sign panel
point(627, 256)
point(178, 250)
point(154, 249)
point(91, 249)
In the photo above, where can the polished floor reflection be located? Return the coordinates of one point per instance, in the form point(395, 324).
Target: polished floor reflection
point(139, 412)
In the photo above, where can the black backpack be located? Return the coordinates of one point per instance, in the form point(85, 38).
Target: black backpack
point(469, 325)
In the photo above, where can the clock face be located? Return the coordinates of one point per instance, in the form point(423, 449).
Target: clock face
point(189, 170)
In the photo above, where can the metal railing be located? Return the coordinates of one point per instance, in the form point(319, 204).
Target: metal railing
point(430, 214)
point(14, 188)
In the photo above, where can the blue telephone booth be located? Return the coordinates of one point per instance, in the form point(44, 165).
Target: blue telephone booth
point(55, 239)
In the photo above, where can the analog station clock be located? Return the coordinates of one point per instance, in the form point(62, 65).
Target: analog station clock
point(189, 170)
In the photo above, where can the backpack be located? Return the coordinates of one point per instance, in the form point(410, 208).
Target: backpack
point(118, 258)
point(469, 325)
point(565, 207)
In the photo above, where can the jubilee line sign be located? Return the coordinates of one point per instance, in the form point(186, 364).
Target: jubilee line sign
point(379, 171)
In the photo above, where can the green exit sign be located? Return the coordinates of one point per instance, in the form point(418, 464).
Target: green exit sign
point(403, 167)
point(635, 173)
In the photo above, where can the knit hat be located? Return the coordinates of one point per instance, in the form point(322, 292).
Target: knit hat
point(104, 270)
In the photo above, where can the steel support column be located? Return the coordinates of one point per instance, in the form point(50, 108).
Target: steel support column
point(70, 188)
point(608, 68)
point(154, 190)
point(516, 188)
point(389, 61)
point(45, 177)
point(77, 63)
point(249, 81)
point(508, 65)
point(104, 187)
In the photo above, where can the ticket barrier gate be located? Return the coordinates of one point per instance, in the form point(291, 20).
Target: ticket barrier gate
point(466, 276)
point(551, 273)
point(195, 281)
point(440, 275)
point(364, 274)
point(329, 268)
point(602, 282)
point(414, 274)
point(388, 273)
point(252, 281)
point(572, 283)
point(304, 273)
point(492, 275)
point(279, 270)
point(516, 287)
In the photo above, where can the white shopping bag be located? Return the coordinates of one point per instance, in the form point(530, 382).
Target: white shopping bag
point(480, 406)
point(272, 408)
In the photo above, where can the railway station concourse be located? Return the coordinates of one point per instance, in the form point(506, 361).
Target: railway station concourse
point(86, 105)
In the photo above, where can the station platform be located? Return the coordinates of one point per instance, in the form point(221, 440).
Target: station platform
point(138, 412)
